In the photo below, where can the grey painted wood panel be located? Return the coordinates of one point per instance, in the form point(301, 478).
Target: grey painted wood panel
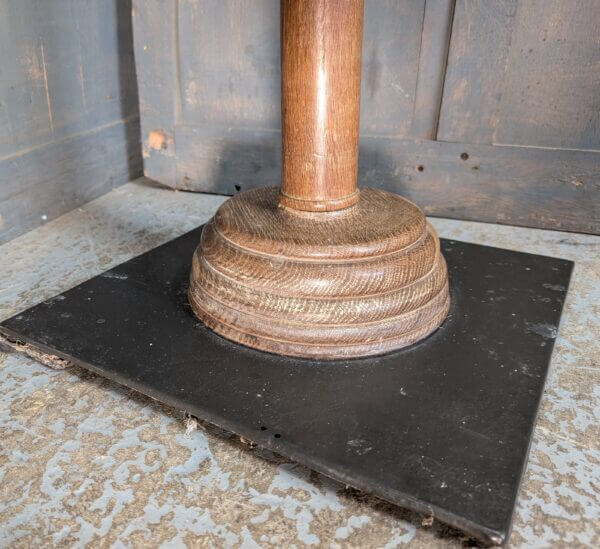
point(157, 66)
point(24, 110)
point(390, 64)
point(524, 73)
point(209, 86)
point(533, 187)
point(433, 58)
point(67, 67)
point(211, 161)
point(475, 73)
point(67, 82)
point(551, 96)
point(229, 58)
point(50, 180)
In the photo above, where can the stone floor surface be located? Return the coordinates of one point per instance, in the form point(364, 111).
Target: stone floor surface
point(85, 462)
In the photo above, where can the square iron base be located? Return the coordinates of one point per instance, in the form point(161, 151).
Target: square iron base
point(442, 427)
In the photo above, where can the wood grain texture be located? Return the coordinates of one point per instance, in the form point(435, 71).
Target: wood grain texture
point(363, 281)
point(400, 224)
point(315, 268)
point(321, 43)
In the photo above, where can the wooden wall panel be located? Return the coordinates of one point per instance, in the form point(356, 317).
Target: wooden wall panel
point(25, 114)
point(229, 59)
point(67, 84)
point(43, 183)
point(524, 73)
point(209, 86)
point(105, 32)
point(64, 70)
point(433, 58)
point(551, 95)
point(390, 63)
point(532, 187)
point(210, 160)
point(155, 40)
point(476, 70)
point(229, 62)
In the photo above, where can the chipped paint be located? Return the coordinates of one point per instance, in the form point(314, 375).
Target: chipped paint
point(157, 140)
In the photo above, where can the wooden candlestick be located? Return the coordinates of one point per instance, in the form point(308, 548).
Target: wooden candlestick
point(317, 269)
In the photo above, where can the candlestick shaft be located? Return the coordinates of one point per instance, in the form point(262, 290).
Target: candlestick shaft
point(320, 64)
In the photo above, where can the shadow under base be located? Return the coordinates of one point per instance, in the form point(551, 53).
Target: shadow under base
point(442, 428)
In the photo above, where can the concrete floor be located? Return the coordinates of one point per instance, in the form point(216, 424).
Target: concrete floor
point(85, 462)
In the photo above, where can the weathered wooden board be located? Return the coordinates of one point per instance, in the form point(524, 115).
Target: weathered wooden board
point(390, 64)
point(209, 93)
point(157, 67)
point(67, 83)
point(433, 57)
point(551, 96)
point(533, 187)
point(524, 73)
point(476, 70)
point(48, 181)
point(210, 160)
point(229, 68)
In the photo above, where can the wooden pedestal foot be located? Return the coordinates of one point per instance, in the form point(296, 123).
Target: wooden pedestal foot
point(365, 281)
point(318, 269)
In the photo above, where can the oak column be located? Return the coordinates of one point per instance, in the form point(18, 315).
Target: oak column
point(320, 69)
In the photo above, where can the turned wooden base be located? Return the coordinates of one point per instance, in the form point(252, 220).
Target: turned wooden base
point(357, 282)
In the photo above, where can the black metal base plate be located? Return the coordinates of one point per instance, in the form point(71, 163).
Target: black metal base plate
point(442, 427)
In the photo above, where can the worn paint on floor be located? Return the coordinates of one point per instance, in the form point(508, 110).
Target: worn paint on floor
point(86, 462)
